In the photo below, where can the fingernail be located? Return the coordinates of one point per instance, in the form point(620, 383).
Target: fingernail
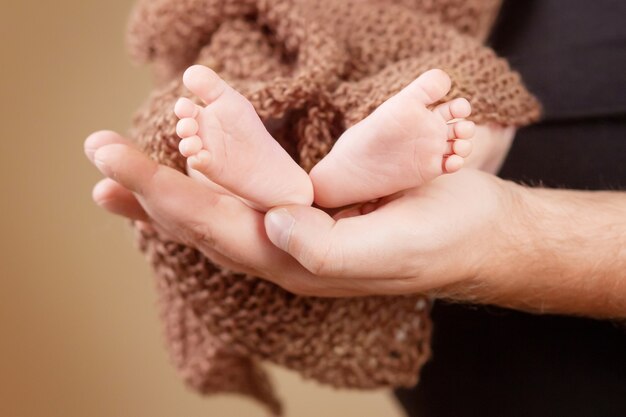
point(101, 162)
point(98, 162)
point(278, 225)
point(90, 152)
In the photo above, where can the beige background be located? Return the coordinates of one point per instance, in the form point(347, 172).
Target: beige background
point(79, 334)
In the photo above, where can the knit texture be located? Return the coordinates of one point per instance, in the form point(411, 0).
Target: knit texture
point(318, 67)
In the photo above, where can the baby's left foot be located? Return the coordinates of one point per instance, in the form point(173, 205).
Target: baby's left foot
point(226, 142)
point(401, 145)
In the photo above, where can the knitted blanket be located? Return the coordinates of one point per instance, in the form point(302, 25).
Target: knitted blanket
point(319, 67)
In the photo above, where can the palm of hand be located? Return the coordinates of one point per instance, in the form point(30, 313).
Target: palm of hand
point(419, 233)
point(403, 244)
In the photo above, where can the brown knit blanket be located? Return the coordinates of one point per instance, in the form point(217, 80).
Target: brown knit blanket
point(319, 66)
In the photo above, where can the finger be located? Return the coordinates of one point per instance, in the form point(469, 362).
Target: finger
point(355, 247)
point(166, 194)
point(126, 165)
point(222, 227)
point(102, 138)
point(186, 211)
point(185, 207)
point(118, 200)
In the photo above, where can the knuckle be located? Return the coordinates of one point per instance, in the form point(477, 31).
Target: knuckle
point(318, 264)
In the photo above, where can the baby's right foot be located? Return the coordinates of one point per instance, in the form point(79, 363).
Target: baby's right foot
point(227, 142)
point(402, 144)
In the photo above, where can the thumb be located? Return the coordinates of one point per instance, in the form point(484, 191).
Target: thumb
point(303, 232)
point(292, 226)
point(345, 248)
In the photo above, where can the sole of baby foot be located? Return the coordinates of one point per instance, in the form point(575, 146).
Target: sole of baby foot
point(403, 144)
point(226, 141)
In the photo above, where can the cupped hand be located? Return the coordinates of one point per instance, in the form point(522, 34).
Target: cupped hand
point(434, 236)
point(415, 241)
point(183, 210)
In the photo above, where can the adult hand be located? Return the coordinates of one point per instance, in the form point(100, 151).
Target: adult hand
point(183, 210)
point(414, 241)
point(473, 237)
point(419, 240)
point(224, 228)
point(468, 236)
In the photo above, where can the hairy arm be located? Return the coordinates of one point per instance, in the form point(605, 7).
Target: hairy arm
point(469, 236)
point(563, 252)
point(472, 237)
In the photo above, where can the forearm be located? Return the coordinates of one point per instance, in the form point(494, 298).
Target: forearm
point(563, 252)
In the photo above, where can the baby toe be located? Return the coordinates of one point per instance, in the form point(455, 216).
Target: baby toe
point(460, 108)
point(187, 127)
point(452, 164)
point(185, 108)
point(190, 146)
point(462, 148)
point(204, 83)
point(461, 130)
point(431, 86)
point(200, 161)
point(455, 109)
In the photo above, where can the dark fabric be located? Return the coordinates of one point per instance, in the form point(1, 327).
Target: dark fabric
point(571, 53)
point(580, 154)
point(495, 362)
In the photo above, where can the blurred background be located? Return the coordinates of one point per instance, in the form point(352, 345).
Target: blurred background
point(79, 334)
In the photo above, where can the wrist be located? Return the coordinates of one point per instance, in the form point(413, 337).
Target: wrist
point(501, 254)
point(487, 246)
point(506, 243)
point(558, 251)
point(515, 250)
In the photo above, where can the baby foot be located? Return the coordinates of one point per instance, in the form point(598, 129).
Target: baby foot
point(227, 142)
point(401, 145)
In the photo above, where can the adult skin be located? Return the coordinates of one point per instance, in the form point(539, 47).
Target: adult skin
point(468, 236)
